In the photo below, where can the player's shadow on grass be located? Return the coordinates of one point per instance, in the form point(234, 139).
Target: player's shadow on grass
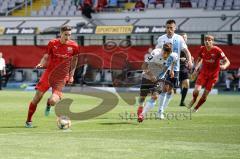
point(120, 123)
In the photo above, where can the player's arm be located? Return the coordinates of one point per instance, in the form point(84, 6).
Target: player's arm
point(172, 70)
point(172, 61)
point(72, 69)
point(43, 61)
point(148, 72)
point(225, 64)
point(159, 44)
point(198, 64)
point(184, 48)
point(189, 57)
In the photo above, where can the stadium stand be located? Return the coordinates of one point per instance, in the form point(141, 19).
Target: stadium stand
point(7, 5)
point(69, 8)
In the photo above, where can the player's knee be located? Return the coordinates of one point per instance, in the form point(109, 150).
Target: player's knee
point(52, 101)
point(154, 97)
point(151, 102)
point(169, 93)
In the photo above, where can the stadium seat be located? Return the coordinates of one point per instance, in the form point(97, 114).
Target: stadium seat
point(176, 5)
point(236, 4)
point(71, 13)
point(202, 3)
point(194, 4)
point(41, 13)
point(159, 5)
point(219, 4)
point(107, 76)
point(48, 13)
point(228, 4)
point(18, 76)
point(167, 5)
point(151, 6)
point(211, 4)
point(97, 77)
point(34, 76)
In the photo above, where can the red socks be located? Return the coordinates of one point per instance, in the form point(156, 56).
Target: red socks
point(140, 109)
point(195, 95)
point(200, 102)
point(31, 111)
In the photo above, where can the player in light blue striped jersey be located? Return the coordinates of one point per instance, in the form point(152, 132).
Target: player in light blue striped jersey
point(178, 45)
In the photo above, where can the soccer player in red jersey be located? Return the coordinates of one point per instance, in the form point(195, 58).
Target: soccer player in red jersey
point(58, 51)
point(210, 57)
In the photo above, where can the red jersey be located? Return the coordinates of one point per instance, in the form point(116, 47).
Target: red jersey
point(211, 59)
point(59, 52)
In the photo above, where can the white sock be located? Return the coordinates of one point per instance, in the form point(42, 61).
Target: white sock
point(228, 83)
point(149, 105)
point(167, 100)
point(161, 100)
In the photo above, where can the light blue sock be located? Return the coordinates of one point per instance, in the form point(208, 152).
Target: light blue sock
point(167, 100)
point(149, 105)
point(161, 99)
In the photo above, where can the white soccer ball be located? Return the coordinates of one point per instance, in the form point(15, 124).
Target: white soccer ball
point(63, 122)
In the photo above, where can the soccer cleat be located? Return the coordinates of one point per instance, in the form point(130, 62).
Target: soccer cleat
point(139, 111)
point(161, 116)
point(189, 106)
point(182, 104)
point(140, 118)
point(28, 124)
point(194, 110)
point(47, 110)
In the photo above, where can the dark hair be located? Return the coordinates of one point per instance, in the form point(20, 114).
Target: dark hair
point(167, 47)
point(170, 21)
point(65, 28)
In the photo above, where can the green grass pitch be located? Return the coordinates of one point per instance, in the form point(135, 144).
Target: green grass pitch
point(211, 133)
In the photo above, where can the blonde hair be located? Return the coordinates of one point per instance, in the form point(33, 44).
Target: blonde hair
point(209, 37)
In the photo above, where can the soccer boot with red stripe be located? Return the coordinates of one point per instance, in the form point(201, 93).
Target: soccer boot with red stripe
point(140, 118)
point(28, 124)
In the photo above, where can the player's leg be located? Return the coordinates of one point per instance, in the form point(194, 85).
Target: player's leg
point(140, 104)
point(150, 103)
point(52, 101)
point(208, 87)
point(196, 91)
point(184, 90)
point(201, 100)
point(144, 90)
point(202, 80)
point(161, 101)
point(32, 107)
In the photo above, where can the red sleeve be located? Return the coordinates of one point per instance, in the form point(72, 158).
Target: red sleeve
point(49, 48)
point(200, 53)
point(76, 49)
point(220, 53)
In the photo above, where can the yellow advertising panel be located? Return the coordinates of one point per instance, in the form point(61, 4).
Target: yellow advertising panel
point(114, 29)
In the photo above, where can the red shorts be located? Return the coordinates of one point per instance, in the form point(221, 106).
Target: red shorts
point(206, 80)
point(43, 85)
